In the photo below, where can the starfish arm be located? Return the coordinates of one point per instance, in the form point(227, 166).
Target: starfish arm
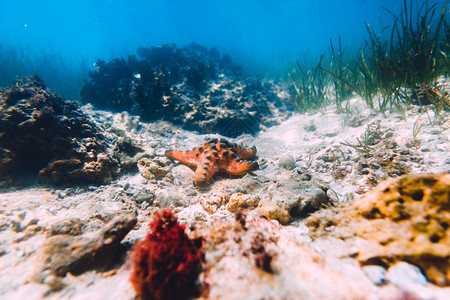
point(239, 168)
point(186, 157)
point(202, 175)
point(245, 153)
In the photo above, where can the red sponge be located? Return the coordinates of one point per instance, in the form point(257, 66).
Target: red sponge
point(166, 264)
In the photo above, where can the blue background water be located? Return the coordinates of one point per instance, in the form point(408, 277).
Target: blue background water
point(261, 35)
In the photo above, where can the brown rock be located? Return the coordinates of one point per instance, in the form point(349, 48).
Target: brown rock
point(274, 212)
point(242, 201)
point(70, 227)
point(153, 168)
point(404, 219)
point(76, 254)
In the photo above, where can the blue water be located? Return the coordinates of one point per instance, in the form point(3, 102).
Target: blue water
point(261, 35)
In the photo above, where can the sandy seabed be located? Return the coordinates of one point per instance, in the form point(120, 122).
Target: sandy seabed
point(321, 144)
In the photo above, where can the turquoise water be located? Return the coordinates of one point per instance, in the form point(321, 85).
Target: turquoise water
point(263, 36)
point(249, 29)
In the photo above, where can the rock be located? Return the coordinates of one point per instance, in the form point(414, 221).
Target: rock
point(376, 274)
point(239, 201)
point(44, 134)
point(129, 153)
point(247, 184)
point(4, 222)
point(182, 175)
point(310, 127)
point(409, 278)
point(143, 196)
point(212, 203)
point(403, 219)
point(293, 195)
point(64, 253)
point(153, 168)
point(102, 168)
point(129, 123)
point(333, 197)
point(405, 275)
point(274, 212)
point(171, 198)
point(68, 227)
point(287, 162)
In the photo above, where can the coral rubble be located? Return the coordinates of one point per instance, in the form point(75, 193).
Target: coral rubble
point(404, 219)
point(166, 264)
point(153, 168)
point(42, 133)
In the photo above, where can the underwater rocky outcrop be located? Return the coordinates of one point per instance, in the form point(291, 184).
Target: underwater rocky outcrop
point(42, 133)
point(403, 219)
point(191, 86)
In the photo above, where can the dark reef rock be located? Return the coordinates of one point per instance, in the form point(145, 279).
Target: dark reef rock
point(42, 133)
point(192, 86)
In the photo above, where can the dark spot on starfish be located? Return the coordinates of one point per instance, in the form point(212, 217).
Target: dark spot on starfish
point(200, 148)
point(213, 146)
point(206, 150)
point(217, 160)
point(208, 156)
point(226, 142)
point(233, 155)
point(206, 162)
point(204, 173)
point(215, 153)
point(253, 166)
point(225, 153)
point(238, 160)
point(205, 167)
point(196, 154)
point(223, 145)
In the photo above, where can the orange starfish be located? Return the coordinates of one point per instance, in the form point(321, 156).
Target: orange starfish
point(215, 156)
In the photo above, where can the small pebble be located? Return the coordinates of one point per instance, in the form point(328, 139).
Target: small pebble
point(404, 274)
point(126, 186)
point(287, 162)
point(310, 127)
point(375, 274)
point(410, 278)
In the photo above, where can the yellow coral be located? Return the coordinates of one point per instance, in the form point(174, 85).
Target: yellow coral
point(404, 219)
